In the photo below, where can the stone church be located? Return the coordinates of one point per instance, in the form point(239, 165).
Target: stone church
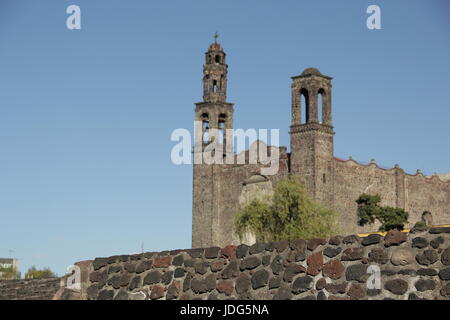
point(220, 189)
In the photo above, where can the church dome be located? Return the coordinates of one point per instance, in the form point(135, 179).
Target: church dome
point(311, 71)
point(215, 47)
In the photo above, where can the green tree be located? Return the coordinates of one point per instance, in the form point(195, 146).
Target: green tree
point(9, 273)
point(369, 210)
point(289, 214)
point(34, 273)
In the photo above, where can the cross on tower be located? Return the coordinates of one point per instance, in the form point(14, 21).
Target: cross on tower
point(216, 35)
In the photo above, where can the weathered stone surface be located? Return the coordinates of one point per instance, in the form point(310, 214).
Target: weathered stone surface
point(335, 241)
point(105, 295)
point(315, 263)
point(130, 266)
point(260, 278)
point(143, 266)
point(119, 280)
point(229, 252)
point(379, 256)
point(371, 239)
point(277, 264)
point(314, 243)
point(351, 239)
point(356, 291)
point(124, 258)
point(420, 243)
point(212, 252)
point(98, 276)
point(274, 282)
point(201, 267)
point(357, 272)
point(373, 292)
point(114, 269)
point(425, 285)
point(298, 245)
point(321, 283)
point(266, 260)
point(173, 291)
point(99, 263)
point(396, 286)
point(250, 263)
point(210, 282)
point(257, 248)
point(187, 282)
point(428, 257)
point(438, 230)
point(436, 242)
point(427, 272)
point(225, 286)
point(444, 274)
point(446, 290)
point(92, 291)
point(413, 296)
point(321, 296)
point(195, 253)
point(407, 272)
point(402, 257)
point(291, 270)
point(333, 269)
point(302, 284)
point(445, 257)
point(242, 283)
point(167, 277)
point(310, 297)
point(241, 251)
point(152, 277)
point(157, 292)
point(280, 246)
point(135, 283)
point(217, 265)
point(230, 270)
point(352, 254)
point(121, 295)
point(338, 298)
point(394, 238)
point(178, 260)
point(332, 252)
point(179, 272)
point(198, 285)
point(283, 293)
point(336, 288)
point(162, 262)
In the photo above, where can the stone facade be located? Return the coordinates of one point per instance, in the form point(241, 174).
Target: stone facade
point(30, 289)
point(411, 266)
point(219, 189)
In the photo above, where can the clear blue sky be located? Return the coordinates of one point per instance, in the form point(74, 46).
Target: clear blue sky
point(86, 115)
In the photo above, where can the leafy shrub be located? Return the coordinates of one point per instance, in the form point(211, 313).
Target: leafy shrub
point(369, 210)
point(289, 214)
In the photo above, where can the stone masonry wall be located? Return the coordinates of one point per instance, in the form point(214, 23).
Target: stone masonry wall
point(413, 266)
point(415, 193)
point(30, 289)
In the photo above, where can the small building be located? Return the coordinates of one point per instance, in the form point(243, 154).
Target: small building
point(9, 268)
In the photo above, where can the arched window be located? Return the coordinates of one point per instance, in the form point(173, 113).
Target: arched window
point(304, 104)
point(222, 120)
point(217, 59)
point(205, 128)
point(214, 86)
point(320, 97)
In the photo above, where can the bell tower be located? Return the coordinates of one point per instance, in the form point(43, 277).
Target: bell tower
point(312, 133)
point(212, 113)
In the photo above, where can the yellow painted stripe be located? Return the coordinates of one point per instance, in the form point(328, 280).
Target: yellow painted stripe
point(362, 235)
